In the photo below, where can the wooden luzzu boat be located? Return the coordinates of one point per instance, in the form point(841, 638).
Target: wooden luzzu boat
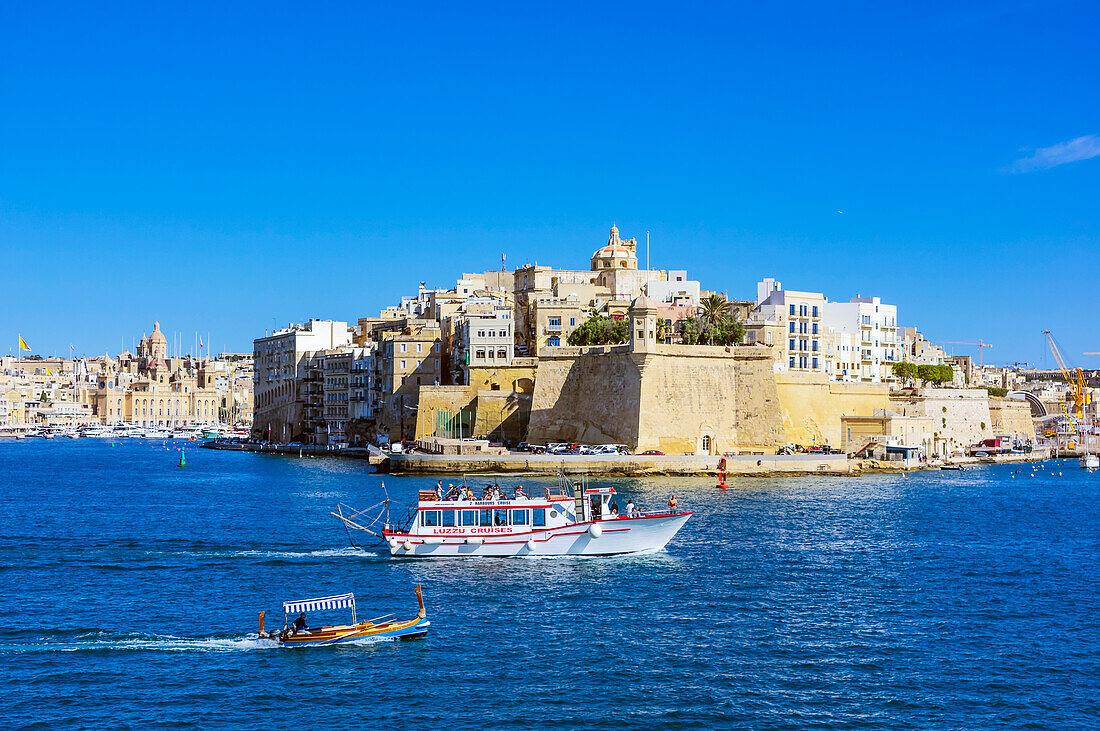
point(338, 634)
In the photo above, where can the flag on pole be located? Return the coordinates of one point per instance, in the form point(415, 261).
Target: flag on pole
point(23, 344)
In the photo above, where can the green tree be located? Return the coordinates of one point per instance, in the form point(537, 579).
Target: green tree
point(600, 330)
point(715, 310)
point(905, 371)
point(690, 331)
point(664, 329)
point(927, 373)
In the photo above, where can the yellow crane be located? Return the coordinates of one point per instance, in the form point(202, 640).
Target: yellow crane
point(1075, 379)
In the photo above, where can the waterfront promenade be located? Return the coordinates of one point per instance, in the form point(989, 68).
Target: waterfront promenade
point(629, 465)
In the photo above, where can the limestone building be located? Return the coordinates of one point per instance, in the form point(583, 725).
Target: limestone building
point(281, 362)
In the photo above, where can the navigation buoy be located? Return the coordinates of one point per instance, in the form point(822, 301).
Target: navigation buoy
point(183, 458)
point(722, 484)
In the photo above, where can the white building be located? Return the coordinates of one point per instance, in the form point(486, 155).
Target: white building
point(798, 317)
point(677, 288)
point(483, 340)
point(848, 341)
point(876, 325)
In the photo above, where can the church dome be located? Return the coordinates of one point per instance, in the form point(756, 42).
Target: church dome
point(157, 336)
point(616, 253)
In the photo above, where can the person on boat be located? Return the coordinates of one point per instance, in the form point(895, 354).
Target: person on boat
point(672, 503)
point(439, 490)
point(496, 492)
point(614, 509)
point(300, 624)
point(520, 494)
point(630, 511)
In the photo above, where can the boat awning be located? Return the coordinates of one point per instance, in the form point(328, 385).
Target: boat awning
point(342, 601)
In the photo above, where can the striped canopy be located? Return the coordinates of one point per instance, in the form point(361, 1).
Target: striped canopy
point(343, 601)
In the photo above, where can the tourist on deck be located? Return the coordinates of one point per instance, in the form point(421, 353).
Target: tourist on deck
point(614, 509)
point(496, 492)
point(630, 511)
point(520, 494)
point(439, 490)
point(672, 503)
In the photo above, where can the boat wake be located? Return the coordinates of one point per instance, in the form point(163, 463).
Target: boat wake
point(101, 641)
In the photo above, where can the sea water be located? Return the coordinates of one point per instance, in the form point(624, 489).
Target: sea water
point(130, 587)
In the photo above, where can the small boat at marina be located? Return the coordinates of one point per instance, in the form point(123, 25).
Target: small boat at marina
point(952, 467)
point(295, 633)
point(577, 520)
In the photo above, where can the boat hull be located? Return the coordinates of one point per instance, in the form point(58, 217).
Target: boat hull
point(591, 538)
point(347, 634)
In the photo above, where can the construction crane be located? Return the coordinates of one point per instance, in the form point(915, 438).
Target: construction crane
point(1075, 379)
point(979, 345)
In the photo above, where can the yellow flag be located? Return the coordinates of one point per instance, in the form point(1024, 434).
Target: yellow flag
point(48, 372)
point(23, 344)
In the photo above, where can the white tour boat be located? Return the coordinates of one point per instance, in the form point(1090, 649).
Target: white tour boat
point(561, 524)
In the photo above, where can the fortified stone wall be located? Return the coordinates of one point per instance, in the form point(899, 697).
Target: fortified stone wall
point(1011, 416)
point(502, 414)
point(679, 399)
point(960, 416)
point(588, 395)
point(812, 406)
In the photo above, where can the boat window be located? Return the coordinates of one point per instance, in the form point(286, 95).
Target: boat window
point(448, 518)
point(538, 516)
point(500, 516)
point(486, 516)
point(469, 517)
point(429, 518)
point(519, 517)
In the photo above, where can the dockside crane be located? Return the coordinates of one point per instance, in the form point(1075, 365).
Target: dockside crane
point(980, 345)
point(1075, 379)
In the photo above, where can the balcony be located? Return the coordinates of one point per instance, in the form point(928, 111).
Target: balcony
point(552, 328)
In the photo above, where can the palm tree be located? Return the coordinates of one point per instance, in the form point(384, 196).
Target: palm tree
point(662, 331)
point(715, 309)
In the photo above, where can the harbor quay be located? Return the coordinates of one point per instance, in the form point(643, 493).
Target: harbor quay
point(616, 465)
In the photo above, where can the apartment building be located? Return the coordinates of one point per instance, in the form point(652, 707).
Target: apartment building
point(281, 363)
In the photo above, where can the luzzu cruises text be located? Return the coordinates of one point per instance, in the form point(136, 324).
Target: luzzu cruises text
point(561, 524)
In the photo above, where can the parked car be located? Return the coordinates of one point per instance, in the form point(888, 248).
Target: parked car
point(652, 453)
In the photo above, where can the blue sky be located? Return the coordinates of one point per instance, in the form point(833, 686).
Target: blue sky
point(225, 166)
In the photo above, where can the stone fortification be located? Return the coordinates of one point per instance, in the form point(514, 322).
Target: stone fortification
point(1011, 416)
point(681, 399)
point(813, 406)
point(960, 416)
